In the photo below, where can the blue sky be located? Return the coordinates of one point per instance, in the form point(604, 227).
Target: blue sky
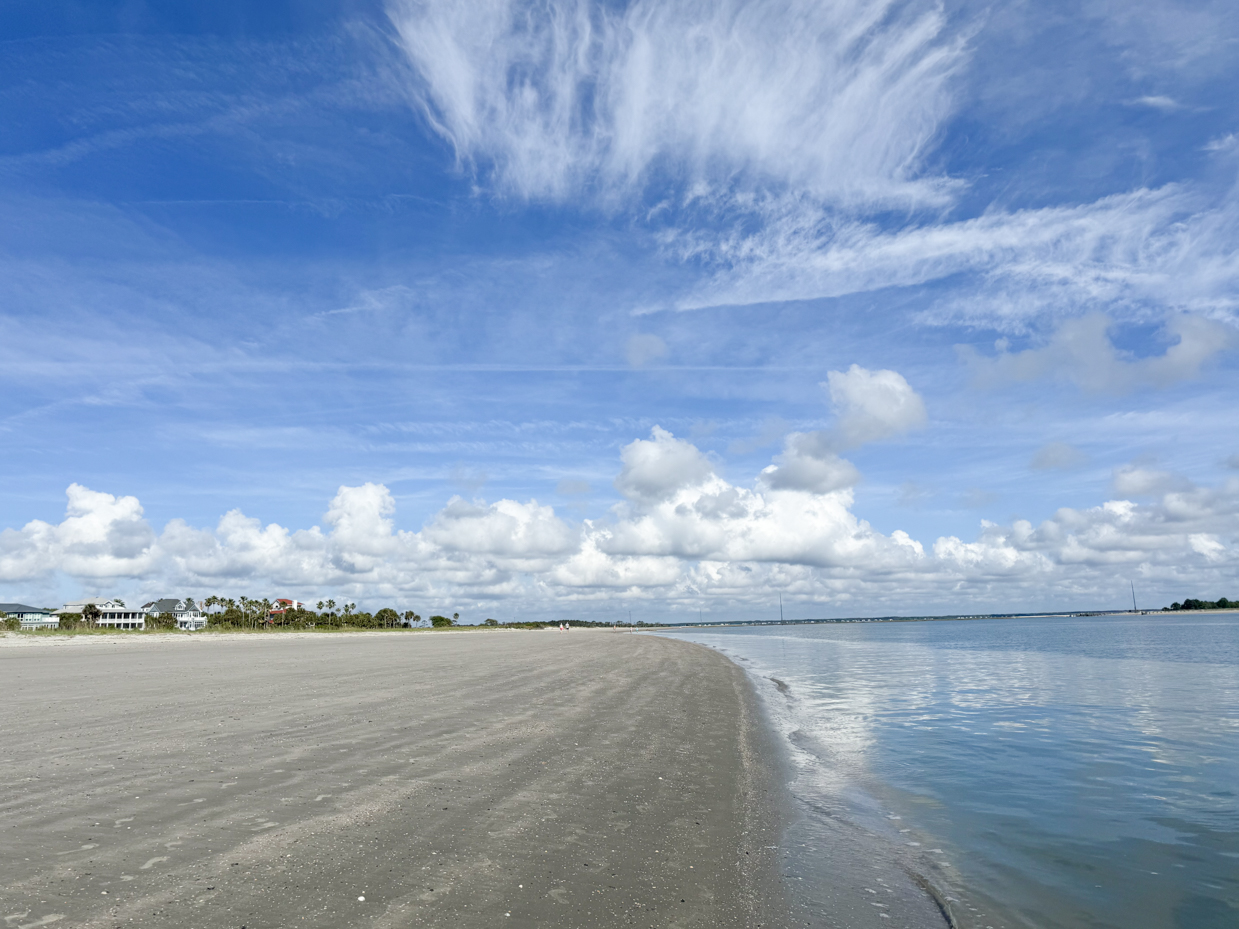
point(398, 270)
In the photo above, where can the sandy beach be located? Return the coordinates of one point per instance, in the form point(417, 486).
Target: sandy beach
point(522, 779)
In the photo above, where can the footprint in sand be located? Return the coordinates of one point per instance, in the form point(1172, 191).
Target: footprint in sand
point(152, 863)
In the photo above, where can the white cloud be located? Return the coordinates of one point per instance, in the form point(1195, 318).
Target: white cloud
point(656, 468)
point(778, 134)
point(505, 528)
point(808, 462)
point(1081, 352)
point(873, 405)
point(1135, 481)
point(870, 406)
point(684, 535)
point(101, 536)
point(1160, 102)
point(1178, 538)
point(572, 97)
point(1134, 254)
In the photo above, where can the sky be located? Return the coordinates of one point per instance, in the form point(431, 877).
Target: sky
point(579, 309)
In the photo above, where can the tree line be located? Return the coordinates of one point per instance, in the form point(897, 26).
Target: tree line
point(1221, 603)
point(249, 613)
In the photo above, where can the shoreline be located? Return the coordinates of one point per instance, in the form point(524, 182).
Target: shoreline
point(156, 637)
point(564, 780)
point(831, 862)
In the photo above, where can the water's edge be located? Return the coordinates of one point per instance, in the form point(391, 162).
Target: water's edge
point(835, 870)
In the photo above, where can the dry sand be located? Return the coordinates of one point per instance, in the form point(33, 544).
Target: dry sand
point(494, 779)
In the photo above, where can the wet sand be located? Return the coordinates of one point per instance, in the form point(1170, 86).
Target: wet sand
point(507, 778)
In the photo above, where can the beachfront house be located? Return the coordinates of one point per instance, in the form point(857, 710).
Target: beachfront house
point(187, 613)
point(113, 614)
point(283, 605)
point(32, 617)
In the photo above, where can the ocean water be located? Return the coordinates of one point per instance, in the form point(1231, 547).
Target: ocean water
point(1036, 772)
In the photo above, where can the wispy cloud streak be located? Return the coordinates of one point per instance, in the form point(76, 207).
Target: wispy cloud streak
point(562, 98)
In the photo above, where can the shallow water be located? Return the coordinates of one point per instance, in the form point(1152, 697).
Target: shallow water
point(1048, 772)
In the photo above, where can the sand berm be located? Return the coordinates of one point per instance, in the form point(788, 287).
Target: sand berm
point(585, 779)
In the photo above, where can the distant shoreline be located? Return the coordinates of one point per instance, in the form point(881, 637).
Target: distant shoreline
point(36, 637)
point(944, 618)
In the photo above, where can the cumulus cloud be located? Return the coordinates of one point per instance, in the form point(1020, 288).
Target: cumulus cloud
point(873, 405)
point(803, 467)
point(101, 536)
point(869, 406)
point(506, 528)
point(1178, 538)
point(1081, 352)
point(1135, 481)
point(683, 534)
point(657, 467)
point(808, 462)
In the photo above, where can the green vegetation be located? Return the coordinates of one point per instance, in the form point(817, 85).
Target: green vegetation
point(1221, 603)
point(160, 621)
point(226, 614)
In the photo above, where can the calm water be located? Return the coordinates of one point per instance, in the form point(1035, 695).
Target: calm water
point(1048, 772)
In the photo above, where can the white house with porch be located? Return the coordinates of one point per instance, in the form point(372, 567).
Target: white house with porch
point(32, 617)
point(113, 614)
point(188, 614)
